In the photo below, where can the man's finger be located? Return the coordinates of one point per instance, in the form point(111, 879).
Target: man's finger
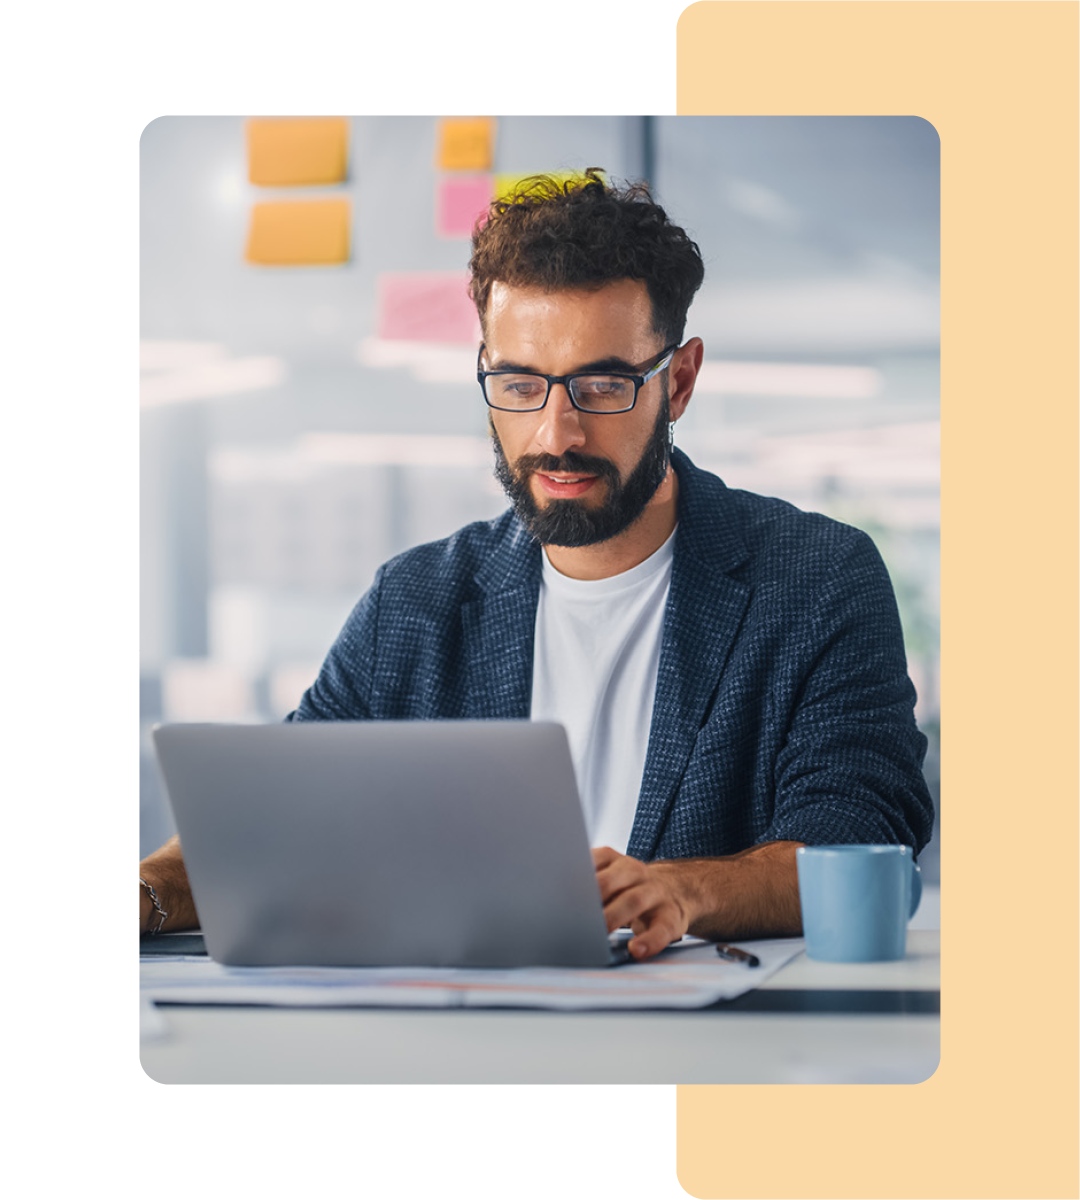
point(633, 903)
point(602, 856)
point(619, 875)
point(661, 929)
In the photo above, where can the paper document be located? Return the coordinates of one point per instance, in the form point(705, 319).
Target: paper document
point(684, 976)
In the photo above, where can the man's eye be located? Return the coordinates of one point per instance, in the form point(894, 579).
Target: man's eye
point(519, 387)
point(527, 387)
point(602, 386)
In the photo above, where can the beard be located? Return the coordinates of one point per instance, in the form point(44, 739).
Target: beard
point(570, 522)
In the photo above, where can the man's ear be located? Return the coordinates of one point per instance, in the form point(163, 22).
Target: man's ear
point(684, 370)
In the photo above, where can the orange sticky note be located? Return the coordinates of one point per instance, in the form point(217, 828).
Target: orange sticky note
point(465, 143)
point(297, 151)
point(299, 233)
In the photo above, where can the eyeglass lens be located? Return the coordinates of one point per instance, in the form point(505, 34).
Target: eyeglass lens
point(596, 393)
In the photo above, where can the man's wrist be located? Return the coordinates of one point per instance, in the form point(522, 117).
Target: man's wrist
point(154, 921)
point(753, 893)
point(164, 872)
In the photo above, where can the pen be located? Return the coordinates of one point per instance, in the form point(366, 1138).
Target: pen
point(734, 954)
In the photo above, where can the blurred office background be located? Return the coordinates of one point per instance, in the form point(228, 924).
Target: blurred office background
point(302, 423)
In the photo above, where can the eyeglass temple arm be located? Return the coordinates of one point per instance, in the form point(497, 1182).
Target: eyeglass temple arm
point(668, 355)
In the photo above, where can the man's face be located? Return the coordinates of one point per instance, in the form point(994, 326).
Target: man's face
point(574, 478)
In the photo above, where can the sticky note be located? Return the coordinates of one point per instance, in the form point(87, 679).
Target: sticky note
point(506, 184)
point(299, 233)
point(459, 200)
point(297, 151)
point(465, 143)
point(427, 306)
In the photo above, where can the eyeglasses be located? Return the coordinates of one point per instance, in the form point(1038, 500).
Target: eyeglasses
point(589, 391)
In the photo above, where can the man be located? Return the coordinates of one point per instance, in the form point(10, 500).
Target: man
point(730, 670)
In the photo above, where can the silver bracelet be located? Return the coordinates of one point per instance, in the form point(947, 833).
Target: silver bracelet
point(157, 906)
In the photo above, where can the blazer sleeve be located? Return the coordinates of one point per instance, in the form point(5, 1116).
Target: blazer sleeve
point(850, 767)
point(342, 691)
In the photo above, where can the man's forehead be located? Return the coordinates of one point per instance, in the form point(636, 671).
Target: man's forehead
point(630, 294)
point(617, 314)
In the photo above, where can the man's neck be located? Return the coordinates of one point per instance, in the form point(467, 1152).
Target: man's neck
point(634, 545)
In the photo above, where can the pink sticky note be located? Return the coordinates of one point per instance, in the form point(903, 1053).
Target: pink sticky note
point(427, 306)
point(459, 201)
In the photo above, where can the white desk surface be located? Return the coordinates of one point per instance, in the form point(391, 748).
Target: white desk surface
point(717, 1045)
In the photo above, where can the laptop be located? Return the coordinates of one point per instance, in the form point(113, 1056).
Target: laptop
point(386, 843)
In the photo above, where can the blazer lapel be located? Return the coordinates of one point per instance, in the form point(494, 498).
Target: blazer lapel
point(498, 633)
point(705, 609)
point(498, 628)
point(702, 619)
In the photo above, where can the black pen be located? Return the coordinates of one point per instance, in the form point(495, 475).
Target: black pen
point(734, 954)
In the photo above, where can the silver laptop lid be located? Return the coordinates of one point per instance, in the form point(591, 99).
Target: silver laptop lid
point(426, 843)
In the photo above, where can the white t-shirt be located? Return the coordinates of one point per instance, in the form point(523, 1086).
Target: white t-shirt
point(595, 658)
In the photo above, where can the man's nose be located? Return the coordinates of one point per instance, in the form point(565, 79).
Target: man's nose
point(560, 429)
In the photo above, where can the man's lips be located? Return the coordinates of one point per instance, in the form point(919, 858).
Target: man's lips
point(564, 485)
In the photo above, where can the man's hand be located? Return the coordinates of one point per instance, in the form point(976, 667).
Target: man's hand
point(754, 893)
point(645, 896)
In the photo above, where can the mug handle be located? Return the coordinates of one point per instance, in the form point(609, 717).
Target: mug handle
point(916, 888)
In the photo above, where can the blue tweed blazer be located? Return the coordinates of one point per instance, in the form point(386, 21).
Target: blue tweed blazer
point(783, 709)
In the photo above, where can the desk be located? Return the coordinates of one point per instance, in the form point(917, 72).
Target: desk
point(810, 1023)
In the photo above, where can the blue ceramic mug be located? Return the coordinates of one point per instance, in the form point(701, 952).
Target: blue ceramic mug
point(857, 900)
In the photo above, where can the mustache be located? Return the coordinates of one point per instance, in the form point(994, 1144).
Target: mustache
point(569, 463)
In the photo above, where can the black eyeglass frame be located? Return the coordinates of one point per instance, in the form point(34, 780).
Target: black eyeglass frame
point(639, 381)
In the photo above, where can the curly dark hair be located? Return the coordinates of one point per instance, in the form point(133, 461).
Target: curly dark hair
point(555, 234)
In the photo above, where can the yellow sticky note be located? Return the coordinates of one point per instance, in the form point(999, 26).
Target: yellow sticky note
point(465, 144)
point(297, 151)
point(505, 185)
point(299, 233)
